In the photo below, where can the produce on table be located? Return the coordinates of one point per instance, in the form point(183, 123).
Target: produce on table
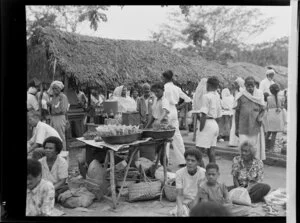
point(162, 127)
point(90, 135)
point(117, 130)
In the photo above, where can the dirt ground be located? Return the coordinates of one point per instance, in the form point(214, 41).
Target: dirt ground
point(274, 176)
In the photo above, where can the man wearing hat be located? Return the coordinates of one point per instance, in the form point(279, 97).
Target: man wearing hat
point(265, 84)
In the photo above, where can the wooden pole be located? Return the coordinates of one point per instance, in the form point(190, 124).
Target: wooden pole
point(112, 178)
point(195, 126)
point(165, 162)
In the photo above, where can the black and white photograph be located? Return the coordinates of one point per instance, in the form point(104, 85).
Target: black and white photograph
point(160, 110)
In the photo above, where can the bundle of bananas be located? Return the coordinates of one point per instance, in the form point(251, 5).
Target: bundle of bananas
point(117, 130)
point(91, 135)
point(162, 127)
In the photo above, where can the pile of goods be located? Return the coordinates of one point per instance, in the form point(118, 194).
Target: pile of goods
point(119, 134)
point(162, 127)
point(92, 135)
point(117, 130)
point(159, 131)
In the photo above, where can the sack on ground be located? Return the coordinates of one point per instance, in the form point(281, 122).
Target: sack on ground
point(144, 162)
point(240, 196)
point(159, 174)
point(76, 198)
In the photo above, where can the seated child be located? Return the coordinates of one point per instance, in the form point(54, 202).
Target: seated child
point(40, 193)
point(188, 180)
point(213, 191)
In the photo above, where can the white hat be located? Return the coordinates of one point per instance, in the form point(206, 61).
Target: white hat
point(270, 71)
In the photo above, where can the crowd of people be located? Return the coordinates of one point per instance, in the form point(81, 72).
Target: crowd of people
point(246, 114)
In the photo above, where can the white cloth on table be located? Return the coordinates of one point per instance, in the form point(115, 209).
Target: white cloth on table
point(114, 147)
point(58, 171)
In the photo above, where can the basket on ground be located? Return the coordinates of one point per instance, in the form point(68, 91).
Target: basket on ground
point(158, 134)
point(170, 191)
point(124, 139)
point(144, 190)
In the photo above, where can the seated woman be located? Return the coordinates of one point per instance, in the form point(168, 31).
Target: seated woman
point(247, 171)
point(54, 167)
point(40, 192)
point(125, 103)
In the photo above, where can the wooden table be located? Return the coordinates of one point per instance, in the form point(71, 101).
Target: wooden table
point(110, 158)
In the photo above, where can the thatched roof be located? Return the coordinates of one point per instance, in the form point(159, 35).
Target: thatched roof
point(106, 62)
point(100, 61)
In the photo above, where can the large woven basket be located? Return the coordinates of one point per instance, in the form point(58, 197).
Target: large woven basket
point(148, 190)
point(121, 139)
point(170, 191)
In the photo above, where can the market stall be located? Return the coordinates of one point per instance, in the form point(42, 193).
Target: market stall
point(132, 148)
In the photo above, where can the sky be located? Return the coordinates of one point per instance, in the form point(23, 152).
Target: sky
point(137, 22)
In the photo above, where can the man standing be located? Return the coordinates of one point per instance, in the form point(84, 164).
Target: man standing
point(173, 94)
point(144, 104)
point(265, 84)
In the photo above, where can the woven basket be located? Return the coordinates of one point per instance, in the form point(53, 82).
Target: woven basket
point(147, 190)
point(170, 191)
point(124, 139)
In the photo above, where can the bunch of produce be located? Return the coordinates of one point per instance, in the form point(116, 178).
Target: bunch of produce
point(117, 130)
point(162, 127)
point(91, 135)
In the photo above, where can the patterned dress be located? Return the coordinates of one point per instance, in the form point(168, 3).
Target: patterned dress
point(244, 175)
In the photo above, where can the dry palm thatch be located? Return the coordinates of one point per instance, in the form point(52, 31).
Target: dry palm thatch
point(105, 62)
point(94, 61)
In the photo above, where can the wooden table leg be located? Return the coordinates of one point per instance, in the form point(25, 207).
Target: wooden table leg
point(126, 172)
point(106, 162)
point(165, 163)
point(112, 178)
point(194, 125)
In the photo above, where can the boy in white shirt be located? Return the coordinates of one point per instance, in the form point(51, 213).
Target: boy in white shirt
point(160, 110)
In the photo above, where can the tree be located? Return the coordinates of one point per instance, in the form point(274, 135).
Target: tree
point(65, 18)
point(212, 29)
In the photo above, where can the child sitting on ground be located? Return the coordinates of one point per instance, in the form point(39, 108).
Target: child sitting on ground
point(213, 191)
point(40, 193)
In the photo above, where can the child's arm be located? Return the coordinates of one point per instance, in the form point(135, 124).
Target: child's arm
point(226, 194)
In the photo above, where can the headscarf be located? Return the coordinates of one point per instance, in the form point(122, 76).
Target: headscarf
point(200, 91)
point(225, 93)
point(227, 102)
point(58, 84)
point(118, 91)
point(241, 82)
point(257, 97)
point(270, 71)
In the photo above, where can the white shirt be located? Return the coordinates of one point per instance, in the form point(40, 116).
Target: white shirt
point(265, 84)
point(158, 106)
point(58, 171)
point(43, 131)
point(211, 105)
point(146, 102)
point(32, 102)
point(189, 183)
point(173, 93)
